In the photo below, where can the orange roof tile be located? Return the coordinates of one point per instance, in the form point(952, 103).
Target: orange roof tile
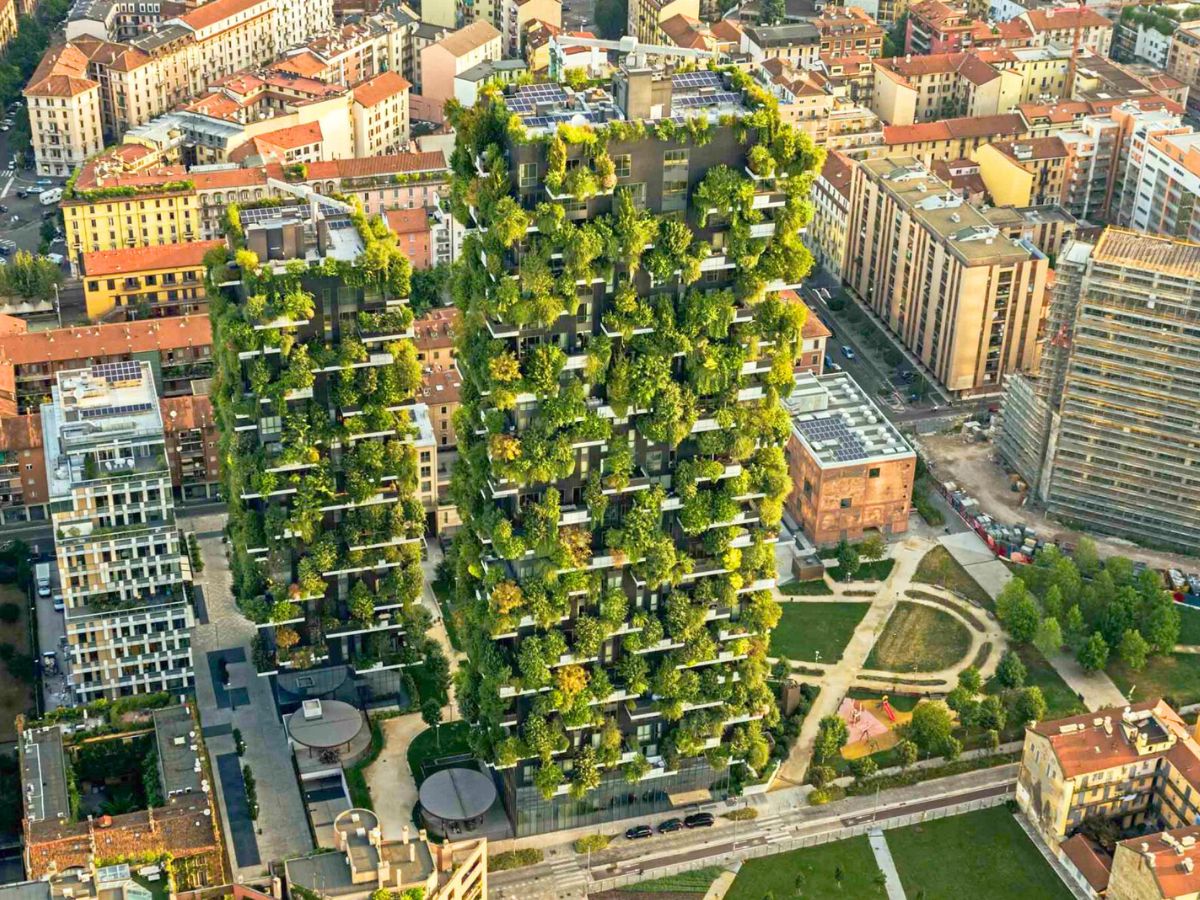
point(21, 432)
point(1175, 866)
point(1058, 18)
point(461, 42)
point(305, 63)
point(186, 413)
point(61, 73)
point(147, 259)
point(440, 383)
point(1092, 865)
point(436, 328)
point(407, 221)
point(837, 171)
point(216, 10)
point(145, 336)
point(381, 87)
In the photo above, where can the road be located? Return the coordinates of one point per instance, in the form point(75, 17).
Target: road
point(781, 819)
point(579, 15)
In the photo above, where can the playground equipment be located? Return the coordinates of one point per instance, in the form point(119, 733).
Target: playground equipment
point(887, 708)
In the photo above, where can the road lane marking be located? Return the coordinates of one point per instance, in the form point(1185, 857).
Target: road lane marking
point(7, 186)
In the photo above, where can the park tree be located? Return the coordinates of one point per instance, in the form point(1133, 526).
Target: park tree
point(1023, 619)
point(1075, 623)
point(958, 698)
point(908, 752)
point(931, 727)
point(1119, 569)
point(1030, 705)
point(1093, 655)
point(1052, 602)
point(1087, 560)
point(1011, 671)
point(991, 714)
point(832, 735)
point(848, 561)
point(1119, 616)
point(1160, 624)
point(771, 12)
point(431, 715)
point(1049, 636)
point(873, 547)
point(970, 679)
point(1133, 649)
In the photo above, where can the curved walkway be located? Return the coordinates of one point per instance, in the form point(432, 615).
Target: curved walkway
point(849, 671)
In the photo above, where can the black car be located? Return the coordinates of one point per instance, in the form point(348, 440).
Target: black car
point(22, 193)
point(638, 831)
point(670, 825)
point(699, 820)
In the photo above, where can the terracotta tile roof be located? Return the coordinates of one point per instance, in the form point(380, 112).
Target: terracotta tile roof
point(1174, 876)
point(435, 329)
point(381, 87)
point(1057, 113)
point(917, 66)
point(298, 84)
point(364, 166)
point(216, 10)
point(912, 134)
point(1012, 30)
point(222, 179)
point(186, 413)
point(294, 136)
point(1091, 863)
point(985, 126)
point(976, 71)
point(684, 31)
point(1058, 18)
point(12, 325)
point(305, 63)
point(463, 41)
point(1032, 149)
point(121, 338)
point(61, 73)
point(218, 106)
point(21, 432)
point(440, 383)
point(1082, 746)
point(407, 221)
point(837, 171)
point(146, 259)
point(726, 31)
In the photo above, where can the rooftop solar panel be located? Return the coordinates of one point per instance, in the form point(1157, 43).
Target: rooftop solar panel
point(124, 409)
point(114, 372)
point(694, 80)
point(849, 446)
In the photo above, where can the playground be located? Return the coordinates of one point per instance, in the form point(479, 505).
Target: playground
point(872, 725)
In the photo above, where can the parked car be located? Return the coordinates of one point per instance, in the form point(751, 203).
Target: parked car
point(670, 825)
point(699, 820)
point(847, 351)
point(638, 831)
point(22, 194)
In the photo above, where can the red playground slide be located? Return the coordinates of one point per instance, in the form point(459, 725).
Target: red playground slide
point(887, 708)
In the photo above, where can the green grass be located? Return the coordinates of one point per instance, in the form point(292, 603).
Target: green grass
point(428, 686)
point(940, 568)
point(805, 628)
point(429, 746)
point(981, 855)
point(1061, 701)
point(815, 588)
point(812, 872)
point(919, 638)
point(1176, 676)
point(695, 882)
point(1189, 626)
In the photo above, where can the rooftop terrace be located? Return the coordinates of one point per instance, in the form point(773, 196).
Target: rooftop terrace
point(839, 424)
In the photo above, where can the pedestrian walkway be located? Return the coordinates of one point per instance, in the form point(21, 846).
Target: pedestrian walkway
point(887, 865)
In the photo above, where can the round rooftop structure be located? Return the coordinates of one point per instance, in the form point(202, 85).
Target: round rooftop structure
point(456, 800)
point(322, 724)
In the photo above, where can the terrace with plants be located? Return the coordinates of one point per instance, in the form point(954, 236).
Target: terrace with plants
point(317, 450)
point(621, 441)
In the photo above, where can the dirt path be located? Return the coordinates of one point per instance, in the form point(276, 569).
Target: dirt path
point(974, 469)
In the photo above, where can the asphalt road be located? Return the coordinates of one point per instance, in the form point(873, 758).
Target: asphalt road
point(579, 15)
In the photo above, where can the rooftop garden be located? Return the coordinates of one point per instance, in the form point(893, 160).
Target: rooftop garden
point(621, 469)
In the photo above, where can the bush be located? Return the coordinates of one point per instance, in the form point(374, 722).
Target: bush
point(251, 791)
point(9, 613)
point(515, 859)
point(745, 814)
point(591, 842)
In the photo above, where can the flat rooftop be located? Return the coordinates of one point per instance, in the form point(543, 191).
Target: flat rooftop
point(839, 424)
point(175, 734)
point(109, 409)
point(944, 212)
point(44, 776)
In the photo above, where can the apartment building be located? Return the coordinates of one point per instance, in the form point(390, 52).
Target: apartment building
point(1025, 173)
point(24, 493)
point(8, 22)
point(804, 101)
point(178, 350)
point(848, 31)
point(1059, 25)
point(646, 18)
point(145, 282)
point(517, 15)
point(441, 385)
point(1161, 183)
point(798, 43)
point(458, 51)
point(950, 139)
point(964, 299)
point(1125, 443)
point(624, 752)
point(850, 469)
point(935, 26)
point(65, 122)
point(380, 115)
point(119, 552)
point(357, 49)
point(1183, 59)
point(826, 233)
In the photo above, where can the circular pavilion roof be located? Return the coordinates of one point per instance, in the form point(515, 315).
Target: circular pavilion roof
point(338, 724)
point(457, 794)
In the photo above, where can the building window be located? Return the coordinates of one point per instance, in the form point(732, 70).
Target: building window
point(873, 472)
point(623, 165)
point(845, 504)
point(529, 175)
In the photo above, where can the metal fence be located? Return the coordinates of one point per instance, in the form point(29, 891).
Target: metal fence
point(782, 843)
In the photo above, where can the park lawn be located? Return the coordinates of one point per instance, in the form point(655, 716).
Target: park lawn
point(428, 747)
point(919, 638)
point(814, 588)
point(1189, 624)
point(806, 628)
point(1061, 701)
point(981, 855)
point(694, 882)
point(940, 568)
point(812, 872)
point(16, 694)
point(1176, 676)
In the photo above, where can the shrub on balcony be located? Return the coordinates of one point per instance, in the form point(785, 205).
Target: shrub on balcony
point(585, 775)
point(547, 779)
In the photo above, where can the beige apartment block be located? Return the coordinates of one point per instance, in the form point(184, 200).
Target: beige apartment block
point(442, 60)
point(965, 299)
point(119, 551)
point(380, 115)
point(1059, 25)
point(8, 22)
point(517, 15)
point(1183, 59)
point(646, 18)
point(64, 112)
